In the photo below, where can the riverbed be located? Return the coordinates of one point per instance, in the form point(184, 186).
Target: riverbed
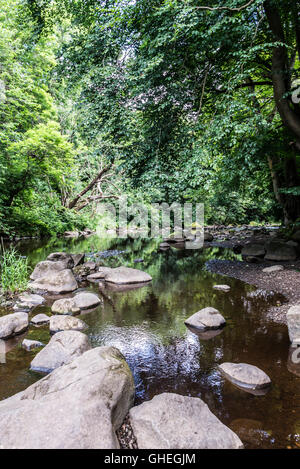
point(147, 325)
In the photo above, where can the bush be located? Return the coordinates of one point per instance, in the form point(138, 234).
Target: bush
point(14, 271)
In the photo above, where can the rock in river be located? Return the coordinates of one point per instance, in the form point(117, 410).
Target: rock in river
point(31, 344)
point(66, 323)
point(245, 376)
point(207, 318)
point(77, 406)
point(63, 257)
point(46, 268)
point(171, 421)
point(57, 282)
point(225, 288)
point(126, 275)
point(13, 324)
point(86, 300)
point(65, 306)
point(62, 349)
point(293, 320)
point(40, 319)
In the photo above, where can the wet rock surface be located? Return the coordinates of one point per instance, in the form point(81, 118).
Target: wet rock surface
point(207, 318)
point(245, 376)
point(13, 324)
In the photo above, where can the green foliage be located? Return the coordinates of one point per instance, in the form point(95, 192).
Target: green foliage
point(13, 271)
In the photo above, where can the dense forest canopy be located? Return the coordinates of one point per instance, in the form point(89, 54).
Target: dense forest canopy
point(164, 100)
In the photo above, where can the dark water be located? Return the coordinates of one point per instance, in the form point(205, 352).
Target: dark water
point(147, 325)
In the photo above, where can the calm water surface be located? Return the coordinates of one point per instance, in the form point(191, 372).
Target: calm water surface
point(147, 325)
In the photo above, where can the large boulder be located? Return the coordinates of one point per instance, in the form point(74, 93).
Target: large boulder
point(207, 318)
point(66, 323)
point(253, 250)
point(65, 306)
point(46, 268)
point(279, 251)
point(13, 324)
point(293, 320)
point(245, 376)
point(67, 259)
point(62, 349)
point(126, 275)
point(77, 406)
point(171, 421)
point(57, 282)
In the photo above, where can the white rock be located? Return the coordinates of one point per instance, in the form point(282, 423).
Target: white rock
point(171, 421)
point(66, 323)
point(225, 288)
point(13, 324)
point(207, 318)
point(31, 344)
point(86, 300)
point(65, 306)
point(273, 268)
point(40, 319)
point(77, 406)
point(62, 349)
point(293, 320)
point(245, 376)
point(57, 282)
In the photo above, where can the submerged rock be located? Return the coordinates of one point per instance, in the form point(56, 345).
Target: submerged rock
point(293, 320)
point(251, 432)
point(77, 406)
point(13, 324)
point(245, 376)
point(207, 318)
point(66, 323)
point(62, 349)
point(57, 282)
point(126, 275)
point(171, 421)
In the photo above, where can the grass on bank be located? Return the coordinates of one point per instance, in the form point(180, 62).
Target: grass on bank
point(13, 271)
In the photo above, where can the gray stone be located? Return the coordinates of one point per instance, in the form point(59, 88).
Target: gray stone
point(77, 406)
point(65, 306)
point(293, 321)
point(86, 300)
point(40, 319)
point(224, 288)
point(126, 275)
point(253, 250)
point(62, 349)
point(103, 271)
point(245, 376)
point(207, 318)
point(66, 323)
point(78, 259)
point(31, 344)
point(171, 421)
point(280, 251)
point(46, 268)
point(273, 268)
point(67, 259)
point(31, 299)
point(13, 324)
point(59, 282)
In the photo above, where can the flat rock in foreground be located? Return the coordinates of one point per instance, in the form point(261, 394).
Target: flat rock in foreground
point(13, 324)
point(171, 421)
point(207, 318)
point(77, 406)
point(245, 376)
point(62, 349)
point(126, 275)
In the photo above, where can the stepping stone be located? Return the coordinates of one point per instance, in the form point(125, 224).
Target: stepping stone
point(245, 376)
point(171, 421)
point(13, 324)
point(65, 306)
point(87, 300)
point(31, 344)
point(207, 318)
point(40, 319)
point(66, 323)
point(57, 282)
point(62, 349)
point(224, 288)
point(126, 275)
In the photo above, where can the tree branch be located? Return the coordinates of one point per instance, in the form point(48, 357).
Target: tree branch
point(97, 179)
point(237, 9)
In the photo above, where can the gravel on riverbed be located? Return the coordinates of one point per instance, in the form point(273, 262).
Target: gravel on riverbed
point(286, 282)
point(125, 435)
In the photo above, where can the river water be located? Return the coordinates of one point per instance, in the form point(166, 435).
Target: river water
point(147, 325)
